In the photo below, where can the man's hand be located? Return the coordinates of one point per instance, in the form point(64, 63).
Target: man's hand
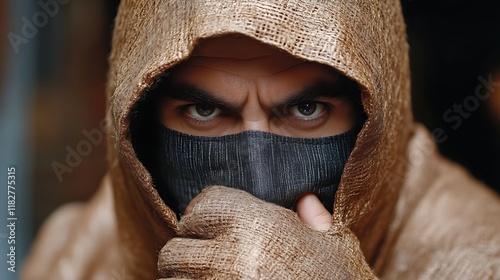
point(310, 209)
point(229, 234)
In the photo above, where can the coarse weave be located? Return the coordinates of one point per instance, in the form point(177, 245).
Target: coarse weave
point(365, 40)
point(400, 208)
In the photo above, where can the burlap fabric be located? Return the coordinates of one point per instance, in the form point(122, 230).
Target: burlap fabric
point(232, 235)
point(411, 213)
point(151, 36)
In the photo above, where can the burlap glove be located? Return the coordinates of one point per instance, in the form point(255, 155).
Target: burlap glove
point(230, 234)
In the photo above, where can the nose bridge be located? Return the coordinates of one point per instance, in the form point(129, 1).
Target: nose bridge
point(261, 124)
point(254, 115)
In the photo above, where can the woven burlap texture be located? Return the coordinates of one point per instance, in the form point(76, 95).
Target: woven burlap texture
point(231, 234)
point(152, 36)
point(412, 214)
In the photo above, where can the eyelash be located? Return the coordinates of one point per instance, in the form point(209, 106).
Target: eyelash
point(183, 109)
point(328, 107)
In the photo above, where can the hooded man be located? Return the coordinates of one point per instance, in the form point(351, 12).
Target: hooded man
point(294, 111)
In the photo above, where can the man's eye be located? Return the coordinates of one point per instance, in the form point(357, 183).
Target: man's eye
point(203, 111)
point(307, 109)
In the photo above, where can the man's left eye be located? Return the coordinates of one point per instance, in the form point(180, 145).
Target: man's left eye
point(308, 109)
point(203, 111)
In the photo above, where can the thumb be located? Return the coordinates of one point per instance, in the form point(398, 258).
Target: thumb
point(312, 212)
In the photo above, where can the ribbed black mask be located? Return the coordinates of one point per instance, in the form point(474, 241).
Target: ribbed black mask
point(274, 168)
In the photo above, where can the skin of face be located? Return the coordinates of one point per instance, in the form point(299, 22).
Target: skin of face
point(233, 84)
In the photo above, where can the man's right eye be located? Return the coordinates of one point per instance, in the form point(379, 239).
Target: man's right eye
point(203, 111)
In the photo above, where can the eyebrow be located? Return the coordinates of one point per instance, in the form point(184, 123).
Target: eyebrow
point(320, 90)
point(191, 93)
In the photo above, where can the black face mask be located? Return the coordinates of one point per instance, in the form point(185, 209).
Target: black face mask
point(274, 168)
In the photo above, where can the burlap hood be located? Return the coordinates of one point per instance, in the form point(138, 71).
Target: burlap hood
point(401, 210)
point(365, 40)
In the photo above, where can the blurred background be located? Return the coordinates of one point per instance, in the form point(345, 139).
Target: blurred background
point(53, 73)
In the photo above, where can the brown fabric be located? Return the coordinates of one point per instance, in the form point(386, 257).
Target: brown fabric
point(389, 197)
point(230, 234)
point(446, 224)
point(79, 241)
point(151, 36)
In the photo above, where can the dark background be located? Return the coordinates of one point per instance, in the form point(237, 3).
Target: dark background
point(452, 43)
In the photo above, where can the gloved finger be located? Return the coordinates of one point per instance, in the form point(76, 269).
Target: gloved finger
point(182, 258)
point(217, 209)
point(312, 212)
point(220, 195)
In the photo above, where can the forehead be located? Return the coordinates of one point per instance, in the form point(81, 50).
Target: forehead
point(234, 47)
point(246, 57)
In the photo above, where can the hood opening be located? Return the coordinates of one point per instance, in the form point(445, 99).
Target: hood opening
point(151, 36)
point(145, 124)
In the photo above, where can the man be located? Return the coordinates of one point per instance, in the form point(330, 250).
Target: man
point(258, 96)
point(250, 87)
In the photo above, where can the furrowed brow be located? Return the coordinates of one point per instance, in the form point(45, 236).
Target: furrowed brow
point(317, 91)
point(190, 93)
